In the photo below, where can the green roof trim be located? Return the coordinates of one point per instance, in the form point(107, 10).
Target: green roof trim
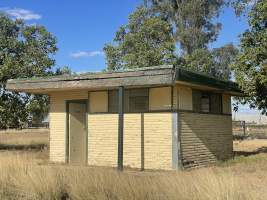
point(202, 79)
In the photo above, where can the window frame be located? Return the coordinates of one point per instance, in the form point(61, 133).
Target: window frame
point(209, 103)
point(209, 94)
point(171, 109)
point(128, 109)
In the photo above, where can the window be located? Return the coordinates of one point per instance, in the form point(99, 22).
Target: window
point(207, 102)
point(135, 100)
point(216, 103)
point(113, 101)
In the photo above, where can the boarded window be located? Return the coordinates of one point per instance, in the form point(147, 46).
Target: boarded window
point(135, 100)
point(207, 102)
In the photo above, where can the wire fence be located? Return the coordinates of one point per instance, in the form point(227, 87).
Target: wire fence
point(241, 129)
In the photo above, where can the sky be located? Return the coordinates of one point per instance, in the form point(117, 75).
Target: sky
point(83, 27)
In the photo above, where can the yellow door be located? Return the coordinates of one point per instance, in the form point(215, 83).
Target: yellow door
point(77, 133)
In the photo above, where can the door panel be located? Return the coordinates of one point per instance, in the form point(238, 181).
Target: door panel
point(77, 133)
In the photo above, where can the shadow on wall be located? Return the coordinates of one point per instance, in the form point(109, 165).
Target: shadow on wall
point(205, 138)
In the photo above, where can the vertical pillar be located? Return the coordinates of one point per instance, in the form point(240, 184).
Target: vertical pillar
point(120, 127)
point(175, 150)
point(142, 143)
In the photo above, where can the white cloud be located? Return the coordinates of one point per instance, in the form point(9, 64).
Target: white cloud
point(19, 13)
point(81, 54)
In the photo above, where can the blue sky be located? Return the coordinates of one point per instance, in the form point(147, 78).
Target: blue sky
point(82, 27)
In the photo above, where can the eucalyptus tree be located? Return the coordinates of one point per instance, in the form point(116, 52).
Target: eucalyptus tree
point(25, 51)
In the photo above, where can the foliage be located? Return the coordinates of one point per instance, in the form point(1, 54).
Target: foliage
point(25, 51)
point(242, 7)
point(214, 62)
point(223, 58)
point(251, 65)
point(64, 70)
point(38, 107)
point(145, 41)
point(193, 21)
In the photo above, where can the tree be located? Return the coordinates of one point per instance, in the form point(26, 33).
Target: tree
point(195, 28)
point(64, 70)
point(250, 67)
point(193, 21)
point(223, 59)
point(242, 7)
point(145, 41)
point(25, 51)
point(215, 62)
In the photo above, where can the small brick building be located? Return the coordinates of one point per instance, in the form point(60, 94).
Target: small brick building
point(149, 118)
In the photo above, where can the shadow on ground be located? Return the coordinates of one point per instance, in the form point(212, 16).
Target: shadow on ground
point(22, 147)
point(250, 153)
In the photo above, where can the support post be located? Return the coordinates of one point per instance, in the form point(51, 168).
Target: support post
point(120, 127)
point(175, 149)
point(142, 142)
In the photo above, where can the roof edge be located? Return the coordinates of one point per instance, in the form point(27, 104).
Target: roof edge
point(84, 75)
point(203, 79)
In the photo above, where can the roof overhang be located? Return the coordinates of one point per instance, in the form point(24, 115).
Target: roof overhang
point(143, 77)
point(95, 81)
point(201, 81)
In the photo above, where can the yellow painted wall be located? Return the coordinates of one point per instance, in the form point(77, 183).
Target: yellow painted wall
point(58, 122)
point(98, 101)
point(227, 106)
point(160, 98)
point(132, 140)
point(102, 139)
point(158, 140)
point(184, 97)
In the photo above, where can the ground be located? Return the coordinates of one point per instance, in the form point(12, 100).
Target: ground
point(25, 173)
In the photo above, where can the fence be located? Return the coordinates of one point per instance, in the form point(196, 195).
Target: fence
point(243, 129)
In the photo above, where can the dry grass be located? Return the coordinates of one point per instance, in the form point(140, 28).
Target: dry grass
point(23, 178)
point(26, 175)
point(250, 145)
point(24, 137)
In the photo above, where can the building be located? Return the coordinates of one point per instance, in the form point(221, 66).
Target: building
point(149, 118)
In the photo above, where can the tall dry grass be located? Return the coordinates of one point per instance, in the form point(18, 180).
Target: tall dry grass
point(21, 177)
point(26, 175)
point(24, 137)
